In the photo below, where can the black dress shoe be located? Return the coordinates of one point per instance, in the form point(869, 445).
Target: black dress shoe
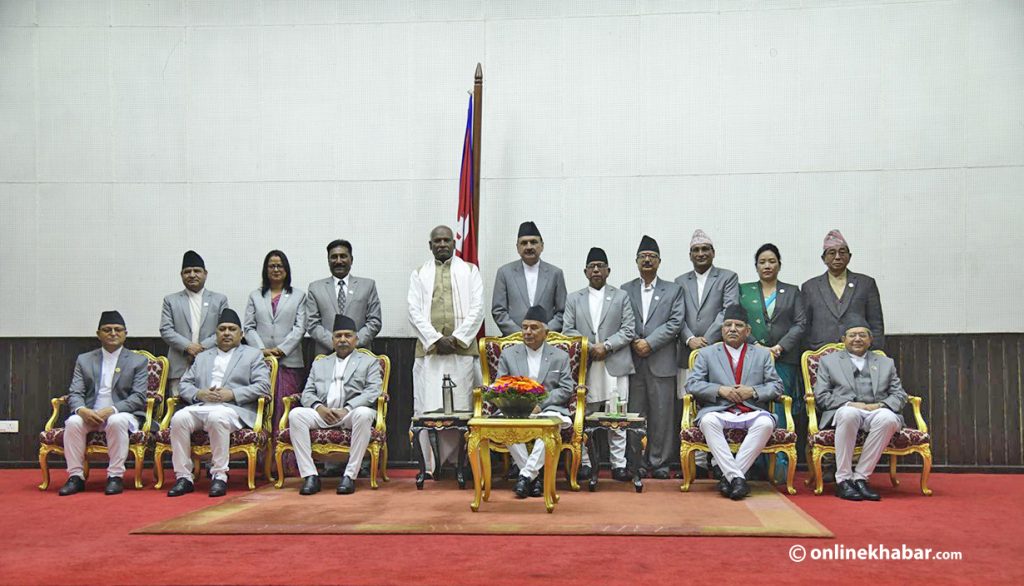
point(73, 485)
point(522, 488)
point(346, 486)
point(310, 485)
point(218, 488)
point(644, 472)
point(584, 473)
point(513, 472)
point(847, 491)
point(537, 488)
point(114, 485)
point(181, 486)
point(661, 474)
point(738, 488)
point(865, 491)
point(621, 474)
point(723, 486)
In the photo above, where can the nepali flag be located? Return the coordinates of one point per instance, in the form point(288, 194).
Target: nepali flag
point(465, 231)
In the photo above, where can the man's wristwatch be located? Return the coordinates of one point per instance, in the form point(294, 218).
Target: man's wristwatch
point(755, 395)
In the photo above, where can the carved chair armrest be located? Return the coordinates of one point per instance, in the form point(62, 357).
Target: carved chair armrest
point(260, 406)
point(581, 410)
point(172, 404)
point(915, 402)
point(812, 414)
point(478, 401)
point(56, 402)
point(288, 402)
point(787, 407)
point(382, 412)
point(148, 425)
point(688, 412)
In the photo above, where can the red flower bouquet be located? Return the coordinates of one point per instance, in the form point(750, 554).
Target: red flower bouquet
point(515, 396)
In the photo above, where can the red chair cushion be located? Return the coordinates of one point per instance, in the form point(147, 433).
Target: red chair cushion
point(342, 437)
point(55, 437)
point(736, 436)
point(902, 439)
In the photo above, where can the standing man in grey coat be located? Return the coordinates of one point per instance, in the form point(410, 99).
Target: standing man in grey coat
point(108, 394)
point(659, 310)
point(838, 292)
point(524, 283)
point(222, 389)
point(341, 293)
point(734, 383)
point(341, 391)
point(602, 314)
point(188, 320)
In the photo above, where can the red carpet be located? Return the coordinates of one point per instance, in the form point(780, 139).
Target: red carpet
point(85, 539)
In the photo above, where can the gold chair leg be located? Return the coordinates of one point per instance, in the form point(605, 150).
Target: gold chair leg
point(374, 449)
point(44, 466)
point(892, 470)
point(577, 459)
point(384, 462)
point(926, 469)
point(85, 468)
point(251, 454)
point(684, 464)
point(505, 460)
point(140, 454)
point(279, 450)
point(485, 461)
point(158, 466)
point(791, 470)
point(196, 468)
point(816, 465)
point(267, 457)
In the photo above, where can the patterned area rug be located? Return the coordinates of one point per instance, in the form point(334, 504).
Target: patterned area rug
point(397, 507)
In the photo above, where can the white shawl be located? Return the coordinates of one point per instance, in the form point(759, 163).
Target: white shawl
point(467, 299)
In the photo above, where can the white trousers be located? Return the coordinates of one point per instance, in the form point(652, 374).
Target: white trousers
point(117, 427)
point(880, 424)
point(759, 426)
point(530, 463)
point(216, 420)
point(616, 440)
point(360, 420)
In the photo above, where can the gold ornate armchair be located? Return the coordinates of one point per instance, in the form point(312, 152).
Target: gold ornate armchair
point(905, 441)
point(249, 442)
point(51, 439)
point(338, 441)
point(576, 348)
point(692, 440)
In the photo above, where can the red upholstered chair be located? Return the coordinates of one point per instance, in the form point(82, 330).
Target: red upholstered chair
point(576, 348)
point(338, 441)
point(249, 442)
point(823, 441)
point(691, 439)
point(51, 439)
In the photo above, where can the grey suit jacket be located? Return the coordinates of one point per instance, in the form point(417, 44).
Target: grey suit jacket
point(555, 374)
point(664, 322)
point(617, 327)
point(835, 385)
point(247, 376)
point(176, 326)
point(712, 370)
point(285, 330)
point(361, 304)
point(788, 322)
point(825, 313)
point(511, 299)
point(361, 383)
point(128, 387)
point(704, 319)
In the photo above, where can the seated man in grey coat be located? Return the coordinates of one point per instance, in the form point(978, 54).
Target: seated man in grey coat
point(735, 382)
point(341, 391)
point(858, 390)
point(548, 365)
point(221, 388)
point(108, 393)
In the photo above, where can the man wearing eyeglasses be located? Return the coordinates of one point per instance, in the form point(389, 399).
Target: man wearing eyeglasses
point(830, 297)
point(108, 393)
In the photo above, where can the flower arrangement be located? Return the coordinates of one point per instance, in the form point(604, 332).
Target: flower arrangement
point(515, 396)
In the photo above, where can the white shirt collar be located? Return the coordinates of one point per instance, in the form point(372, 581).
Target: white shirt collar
point(596, 292)
point(535, 268)
point(859, 361)
point(197, 294)
point(221, 353)
point(648, 288)
point(111, 355)
point(733, 352)
point(338, 281)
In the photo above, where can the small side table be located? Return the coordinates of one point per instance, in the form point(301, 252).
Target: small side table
point(633, 424)
point(484, 430)
point(433, 423)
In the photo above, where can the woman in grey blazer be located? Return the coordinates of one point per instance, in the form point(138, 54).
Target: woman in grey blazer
point(275, 319)
point(777, 322)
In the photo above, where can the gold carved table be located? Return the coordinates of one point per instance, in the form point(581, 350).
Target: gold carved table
point(484, 430)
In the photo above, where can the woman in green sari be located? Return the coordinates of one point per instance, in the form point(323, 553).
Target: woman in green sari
point(777, 322)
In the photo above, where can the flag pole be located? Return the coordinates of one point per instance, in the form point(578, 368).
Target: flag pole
point(478, 108)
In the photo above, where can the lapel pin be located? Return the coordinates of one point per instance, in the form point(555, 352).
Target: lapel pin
point(607, 298)
point(117, 370)
point(850, 285)
point(656, 298)
point(782, 290)
point(206, 305)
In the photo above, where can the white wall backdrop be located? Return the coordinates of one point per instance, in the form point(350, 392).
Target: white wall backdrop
point(132, 130)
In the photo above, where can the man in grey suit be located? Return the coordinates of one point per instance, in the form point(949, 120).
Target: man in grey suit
point(524, 283)
point(602, 314)
point(659, 310)
point(341, 293)
point(221, 389)
point(188, 320)
point(858, 390)
point(838, 292)
point(734, 383)
point(548, 365)
point(108, 394)
point(342, 392)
